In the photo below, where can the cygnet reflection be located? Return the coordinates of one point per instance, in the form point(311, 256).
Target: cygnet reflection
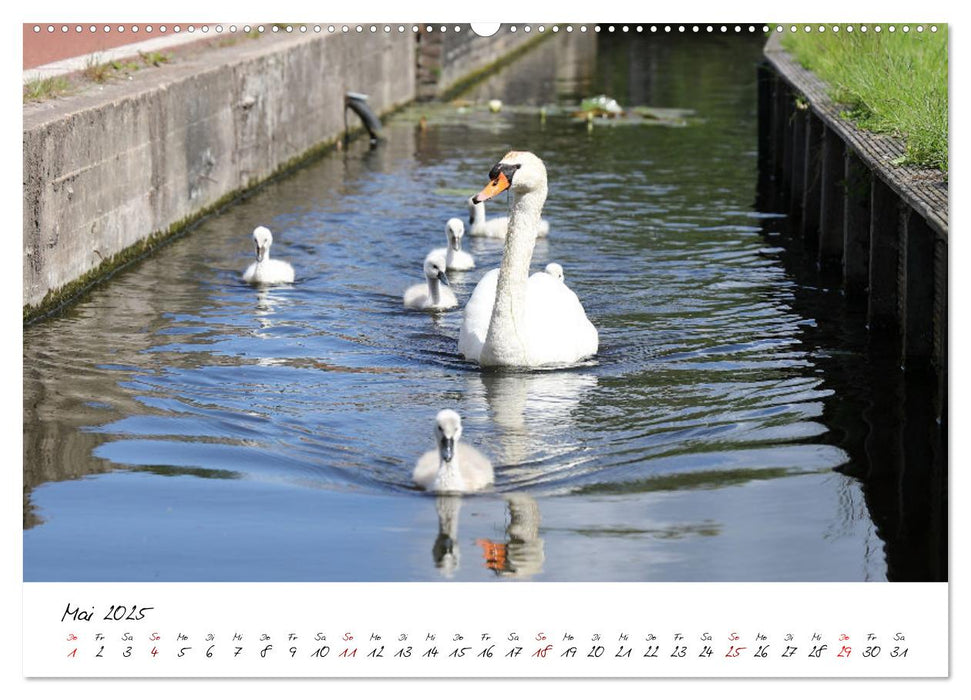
point(534, 418)
point(521, 554)
point(266, 303)
point(266, 314)
point(445, 551)
point(265, 307)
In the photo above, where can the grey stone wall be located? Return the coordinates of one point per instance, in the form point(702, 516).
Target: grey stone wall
point(106, 169)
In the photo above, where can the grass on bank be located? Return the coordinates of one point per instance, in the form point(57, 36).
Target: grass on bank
point(892, 83)
point(95, 72)
point(46, 88)
point(103, 72)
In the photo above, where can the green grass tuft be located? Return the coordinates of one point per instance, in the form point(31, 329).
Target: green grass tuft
point(46, 88)
point(97, 72)
point(892, 83)
point(154, 58)
point(94, 71)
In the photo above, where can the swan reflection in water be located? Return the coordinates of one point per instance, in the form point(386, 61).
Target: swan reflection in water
point(445, 551)
point(533, 413)
point(535, 441)
point(520, 554)
point(264, 311)
point(265, 314)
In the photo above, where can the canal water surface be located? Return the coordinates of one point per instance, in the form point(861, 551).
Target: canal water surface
point(180, 425)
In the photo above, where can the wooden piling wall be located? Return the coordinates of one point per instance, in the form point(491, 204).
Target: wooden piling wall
point(876, 227)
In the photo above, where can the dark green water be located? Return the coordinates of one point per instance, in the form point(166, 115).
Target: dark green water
point(179, 425)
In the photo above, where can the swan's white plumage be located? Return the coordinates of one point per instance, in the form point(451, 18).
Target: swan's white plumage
point(434, 294)
point(556, 330)
point(459, 260)
point(466, 470)
point(475, 471)
point(266, 270)
point(515, 320)
point(555, 270)
point(477, 315)
point(455, 258)
point(495, 227)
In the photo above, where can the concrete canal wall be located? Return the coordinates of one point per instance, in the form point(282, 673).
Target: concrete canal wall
point(879, 228)
point(448, 59)
point(112, 171)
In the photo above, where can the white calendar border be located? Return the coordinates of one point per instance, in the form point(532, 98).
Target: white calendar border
point(544, 10)
point(475, 630)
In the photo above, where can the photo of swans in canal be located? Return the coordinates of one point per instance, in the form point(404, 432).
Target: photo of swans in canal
point(619, 364)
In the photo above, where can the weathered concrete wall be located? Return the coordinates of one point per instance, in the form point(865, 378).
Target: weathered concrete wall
point(106, 169)
point(112, 170)
point(447, 58)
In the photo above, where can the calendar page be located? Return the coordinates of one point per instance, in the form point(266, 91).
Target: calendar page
point(383, 630)
point(515, 350)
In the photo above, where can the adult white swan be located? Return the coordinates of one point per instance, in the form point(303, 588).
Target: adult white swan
point(265, 270)
point(453, 467)
point(512, 319)
point(495, 227)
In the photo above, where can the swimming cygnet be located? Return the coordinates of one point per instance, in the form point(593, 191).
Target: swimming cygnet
point(434, 294)
point(265, 270)
point(555, 270)
point(455, 257)
point(453, 467)
point(497, 226)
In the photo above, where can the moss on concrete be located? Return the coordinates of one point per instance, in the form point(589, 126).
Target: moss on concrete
point(59, 299)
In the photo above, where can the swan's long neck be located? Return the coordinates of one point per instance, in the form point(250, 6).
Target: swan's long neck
point(478, 214)
point(505, 344)
point(434, 290)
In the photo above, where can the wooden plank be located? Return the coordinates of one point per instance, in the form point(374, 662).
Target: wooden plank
point(856, 227)
point(765, 76)
point(831, 194)
point(940, 327)
point(797, 179)
point(779, 91)
point(810, 193)
point(884, 254)
point(903, 213)
point(940, 304)
point(789, 113)
point(919, 291)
